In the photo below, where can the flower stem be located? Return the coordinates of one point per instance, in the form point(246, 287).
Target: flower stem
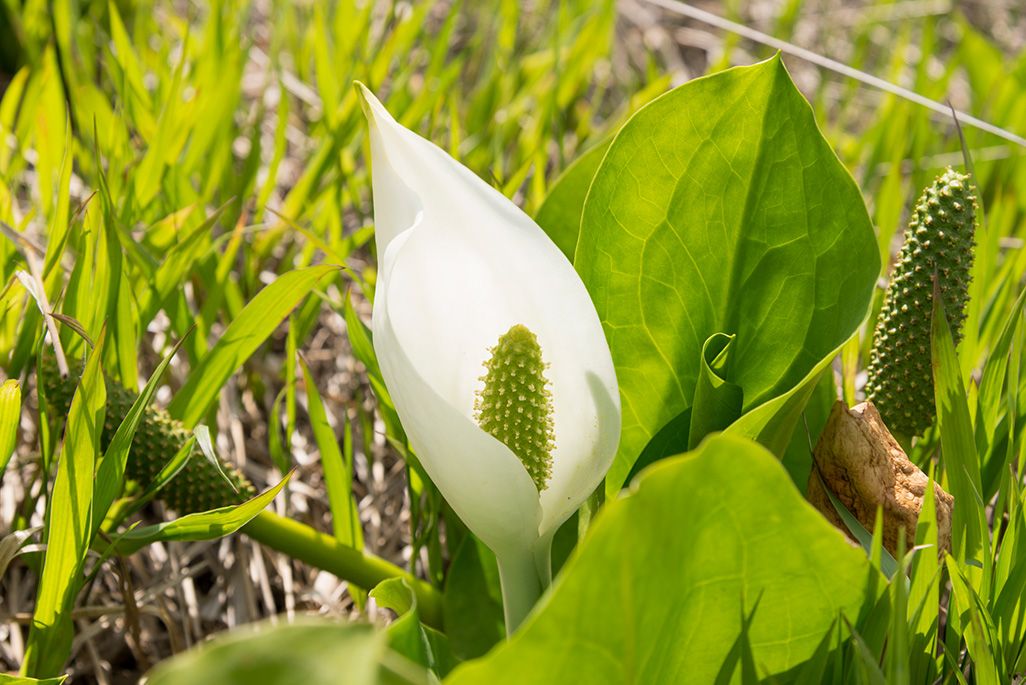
point(543, 560)
point(521, 587)
point(327, 553)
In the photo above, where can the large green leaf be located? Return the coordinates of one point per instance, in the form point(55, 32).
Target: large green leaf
point(713, 535)
point(309, 651)
point(407, 635)
point(720, 208)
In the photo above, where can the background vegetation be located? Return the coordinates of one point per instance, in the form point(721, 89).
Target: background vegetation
point(162, 162)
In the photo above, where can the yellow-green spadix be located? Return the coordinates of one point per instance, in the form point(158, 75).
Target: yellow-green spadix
point(468, 287)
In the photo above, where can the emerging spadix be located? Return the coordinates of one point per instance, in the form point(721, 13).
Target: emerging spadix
point(479, 320)
point(515, 406)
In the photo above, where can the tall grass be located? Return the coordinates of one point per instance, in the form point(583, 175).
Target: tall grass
point(159, 170)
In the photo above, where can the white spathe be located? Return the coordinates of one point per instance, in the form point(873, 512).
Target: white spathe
point(459, 265)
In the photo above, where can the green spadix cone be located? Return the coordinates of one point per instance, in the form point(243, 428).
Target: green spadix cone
point(515, 405)
point(939, 242)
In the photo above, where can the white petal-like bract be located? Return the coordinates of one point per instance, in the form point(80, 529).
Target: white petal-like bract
point(459, 265)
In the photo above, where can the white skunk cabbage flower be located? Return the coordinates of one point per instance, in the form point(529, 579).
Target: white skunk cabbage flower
point(492, 352)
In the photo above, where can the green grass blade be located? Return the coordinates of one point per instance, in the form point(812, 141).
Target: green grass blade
point(275, 441)
point(163, 477)
point(958, 449)
point(60, 225)
point(22, 680)
point(69, 525)
point(11, 544)
point(204, 525)
point(241, 339)
point(923, 613)
point(867, 666)
point(898, 652)
point(338, 471)
point(10, 416)
point(996, 366)
point(979, 633)
point(871, 543)
point(176, 265)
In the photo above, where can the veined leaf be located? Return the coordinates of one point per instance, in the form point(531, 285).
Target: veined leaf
point(308, 651)
point(719, 208)
point(717, 401)
point(670, 610)
point(407, 635)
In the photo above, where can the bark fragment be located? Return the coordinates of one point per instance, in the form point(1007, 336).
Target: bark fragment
point(865, 468)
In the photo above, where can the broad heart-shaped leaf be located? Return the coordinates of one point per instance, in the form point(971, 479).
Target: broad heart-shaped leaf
point(657, 590)
point(307, 651)
point(720, 208)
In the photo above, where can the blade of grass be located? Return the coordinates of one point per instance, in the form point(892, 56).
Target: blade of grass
point(111, 472)
point(996, 365)
point(10, 417)
point(958, 449)
point(338, 472)
point(898, 654)
point(22, 680)
point(11, 546)
point(867, 667)
point(871, 543)
point(275, 442)
point(69, 525)
point(924, 590)
point(206, 445)
point(204, 525)
point(241, 339)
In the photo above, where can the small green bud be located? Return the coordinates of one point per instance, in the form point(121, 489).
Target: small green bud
point(515, 405)
point(939, 241)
